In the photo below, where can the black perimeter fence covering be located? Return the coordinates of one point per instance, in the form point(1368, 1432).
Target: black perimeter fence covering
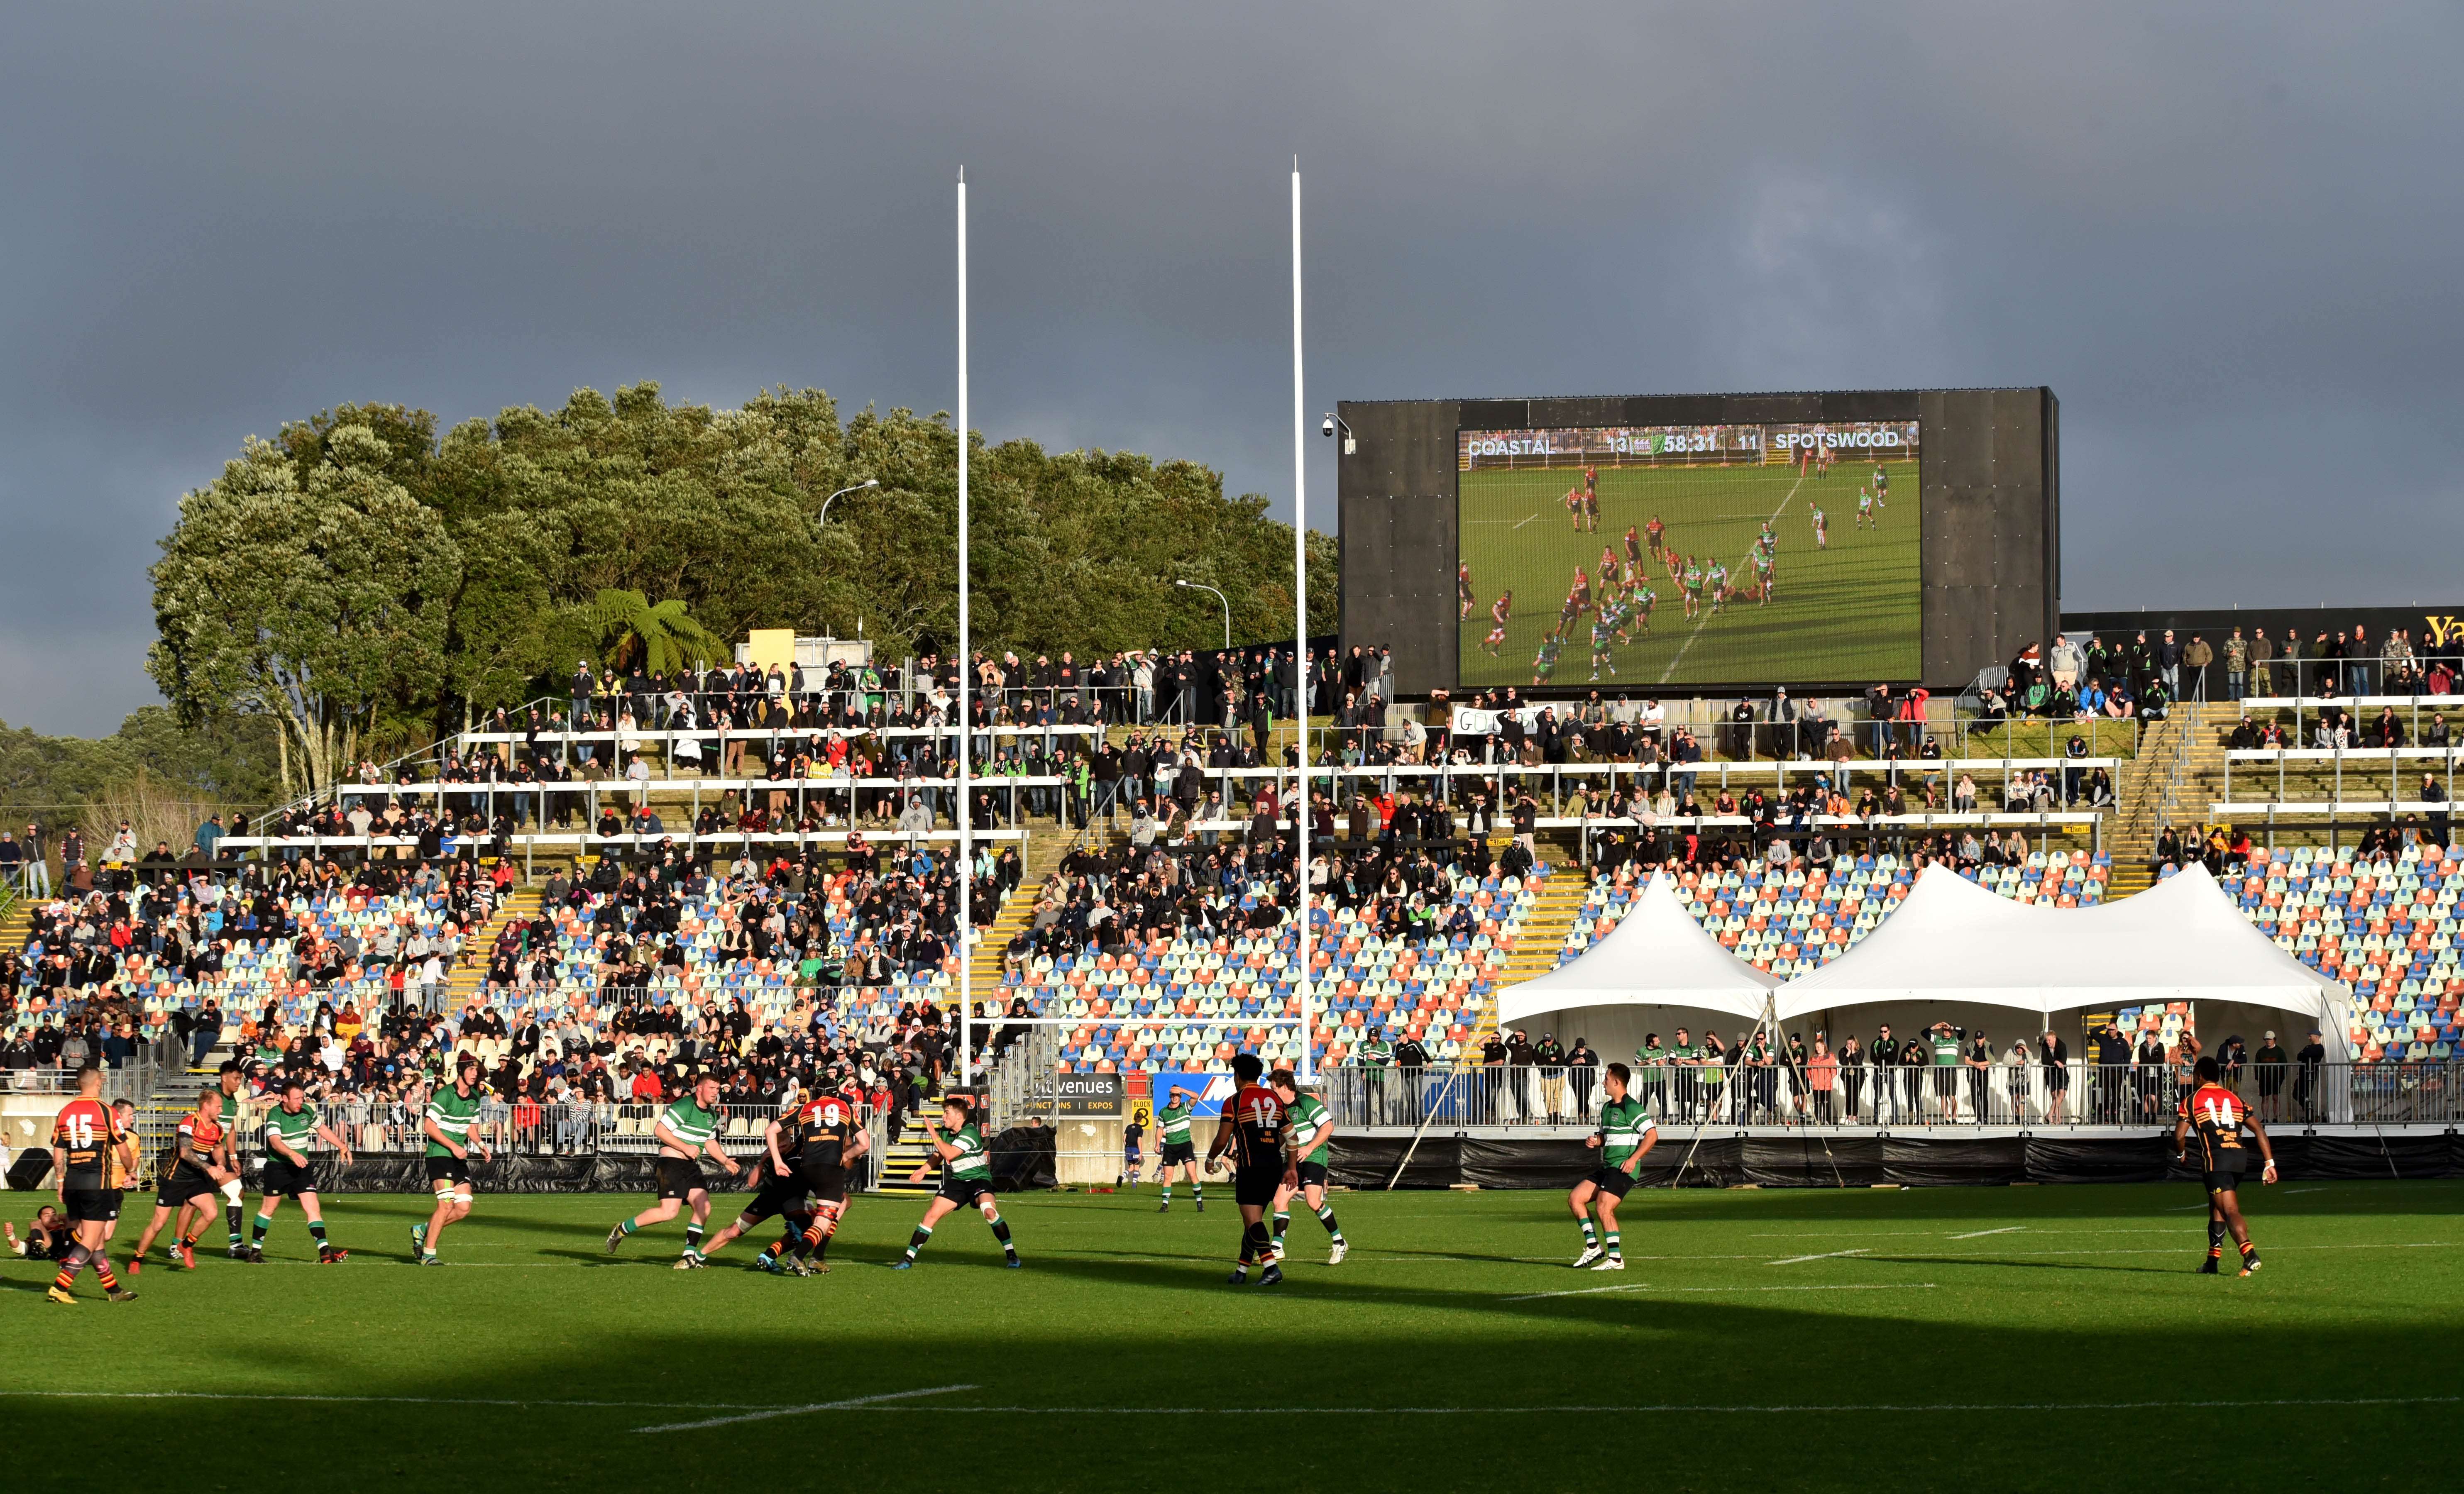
point(1810, 1161)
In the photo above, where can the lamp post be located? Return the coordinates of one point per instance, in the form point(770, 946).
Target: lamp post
point(869, 482)
point(1200, 585)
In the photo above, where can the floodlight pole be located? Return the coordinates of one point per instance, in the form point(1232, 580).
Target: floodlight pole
point(1200, 585)
point(1300, 650)
point(966, 657)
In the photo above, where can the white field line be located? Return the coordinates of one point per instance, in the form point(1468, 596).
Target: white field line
point(1526, 521)
point(1980, 1234)
point(872, 1403)
point(1679, 657)
point(798, 1411)
point(1594, 1291)
point(1827, 1255)
point(276, 1397)
point(1868, 1409)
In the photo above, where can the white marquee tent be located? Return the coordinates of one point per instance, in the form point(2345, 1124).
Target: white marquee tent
point(2181, 941)
point(1657, 957)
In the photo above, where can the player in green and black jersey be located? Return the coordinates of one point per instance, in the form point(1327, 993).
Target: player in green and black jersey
point(1545, 661)
point(447, 1124)
point(966, 1179)
point(1625, 1136)
point(291, 1129)
point(687, 1131)
point(232, 1084)
point(1311, 1128)
point(1172, 1123)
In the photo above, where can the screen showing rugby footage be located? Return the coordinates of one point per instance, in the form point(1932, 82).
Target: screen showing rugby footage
point(1647, 557)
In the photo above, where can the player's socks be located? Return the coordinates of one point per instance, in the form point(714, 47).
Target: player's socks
point(2249, 1261)
point(1001, 1232)
point(915, 1241)
point(1283, 1222)
point(316, 1227)
point(1167, 1195)
point(1616, 1253)
point(1326, 1216)
point(1590, 1237)
point(258, 1228)
point(102, 1270)
point(693, 1238)
point(231, 1213)
point(1198, 1192)
point(627, 1227)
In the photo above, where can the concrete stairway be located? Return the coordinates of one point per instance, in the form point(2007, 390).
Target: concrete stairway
point(2146, 782)
point(1535, 950)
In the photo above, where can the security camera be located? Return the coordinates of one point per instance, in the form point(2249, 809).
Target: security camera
point(1328, 429)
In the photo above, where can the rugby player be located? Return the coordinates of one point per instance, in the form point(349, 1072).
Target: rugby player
point(1311, 1128)
point(1499, 612)
point(1604, 627)
point(1252, 1135)
point(779, 1193)
point(1821, 533)
point(1172, 1123)
point(829, 1139)
point(1462, 587)
point(86, 1141)
point(446, 1125)
point(1626, 1135)
point(2216, 1116)
point(291, 1127)
point(688, 1128)
point(231, 1085)
point(1544, 662)
point(48, 1236)
point(967, 1178)
point(1655, 533)
point(195, 1169)
point(1865, 509)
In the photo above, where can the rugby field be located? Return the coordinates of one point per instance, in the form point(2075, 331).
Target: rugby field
point(1847, 614)
point(2010, 1338)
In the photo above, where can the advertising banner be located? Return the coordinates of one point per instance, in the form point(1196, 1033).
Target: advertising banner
point(1087, 1094)
point(1208, 1093)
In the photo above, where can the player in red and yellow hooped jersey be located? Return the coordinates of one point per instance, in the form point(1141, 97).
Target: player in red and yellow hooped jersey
point(1251, 1132)
point(88, 1144)
point(2209, 1121)
point(192, 1173)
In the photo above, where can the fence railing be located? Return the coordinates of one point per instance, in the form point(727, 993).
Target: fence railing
point(1895, 1095)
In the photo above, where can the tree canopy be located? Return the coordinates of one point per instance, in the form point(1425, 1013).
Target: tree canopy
point(369, 583)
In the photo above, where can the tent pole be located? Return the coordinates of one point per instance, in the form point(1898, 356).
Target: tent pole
point(1429, 1113)
point(1771, 1005)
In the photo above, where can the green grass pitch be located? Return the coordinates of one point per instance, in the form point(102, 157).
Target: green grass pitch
point(2010, 1338)
point(1848, 614)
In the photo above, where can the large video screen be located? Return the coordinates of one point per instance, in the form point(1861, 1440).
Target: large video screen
point(1642, 556)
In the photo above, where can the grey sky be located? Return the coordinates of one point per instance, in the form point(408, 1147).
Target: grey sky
point(2226, 237)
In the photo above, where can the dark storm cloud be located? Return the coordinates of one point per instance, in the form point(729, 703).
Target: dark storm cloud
point(2224, 235)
